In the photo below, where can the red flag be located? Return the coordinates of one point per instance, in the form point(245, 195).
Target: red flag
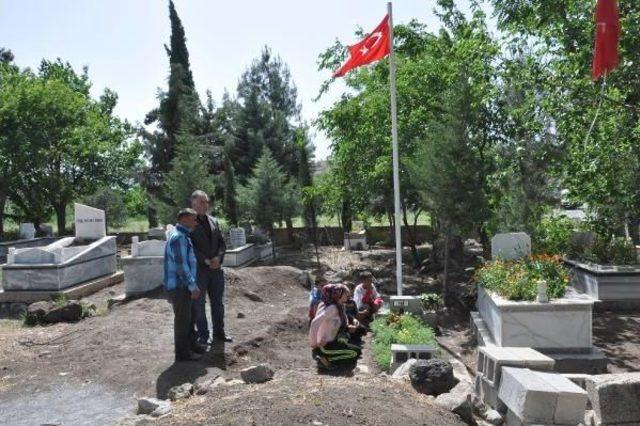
point(373, 47)
point(605, 54)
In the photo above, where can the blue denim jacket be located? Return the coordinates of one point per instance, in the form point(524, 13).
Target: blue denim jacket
point(179, 261)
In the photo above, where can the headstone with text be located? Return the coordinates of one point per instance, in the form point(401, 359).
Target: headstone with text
point(90, 222)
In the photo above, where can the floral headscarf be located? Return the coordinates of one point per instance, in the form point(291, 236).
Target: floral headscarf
point(330, 295)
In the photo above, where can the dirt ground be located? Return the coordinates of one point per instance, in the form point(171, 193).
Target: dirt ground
point(93, 371)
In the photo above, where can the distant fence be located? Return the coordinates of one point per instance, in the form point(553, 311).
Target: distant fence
point(334, 236)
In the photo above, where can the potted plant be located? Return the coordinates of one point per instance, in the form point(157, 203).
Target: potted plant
point(431, 304)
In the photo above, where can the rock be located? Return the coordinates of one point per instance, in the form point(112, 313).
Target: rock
point(203, 384)
point(257, 374)
point(252, 296)
point(432, 376)
point(154, 407)
point(234, 382)
point(615, 397)
point(70, 312)
point(180, 392)
point(241, 315)
point(493, 417)
point(402, 372)
point(36, 312)
point(458, 401)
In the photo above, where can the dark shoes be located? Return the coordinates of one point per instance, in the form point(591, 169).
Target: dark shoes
point(191, 356)
point(222, 337)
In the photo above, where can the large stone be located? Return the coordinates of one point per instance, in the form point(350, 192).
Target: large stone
point(515, 245)
point(70, 312)
point(36, 312)
point(432, 377)
point(257, 374)
point(458, 401)
point(154, 407)
point(615, 397)
point(539, 397)
point(402, 372)
point(90, 222)
point(180, 392)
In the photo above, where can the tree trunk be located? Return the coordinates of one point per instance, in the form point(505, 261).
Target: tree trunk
point(3, 203)
point(289, 223)
point(445, 277)
point(434, 240)
point(61, 217)
point(152, 217)
point(486, 244)
point(412, 239)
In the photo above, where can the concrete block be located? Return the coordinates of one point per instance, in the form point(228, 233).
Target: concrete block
point(402, 353)
point(527, 395)
point(571, 402)
point(615, 397)
point(494, 358)
point(488, 393)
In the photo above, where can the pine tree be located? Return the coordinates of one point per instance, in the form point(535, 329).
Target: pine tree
point(178, 112)
point(268, 197)
point(230, 202)
point(189, 171)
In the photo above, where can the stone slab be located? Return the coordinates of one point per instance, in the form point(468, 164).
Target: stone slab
point(571, 402)
point(147, 248)
point(77, 292)
point(527, 395)
point(142, 274)
point(408, 304)
point(614, 283)
point(509, 246)
point(560, 325)
point(615, 397)
point(488, 393)
point(89, 222)
point(19, 244)
point(592, 362)
point(240, 256)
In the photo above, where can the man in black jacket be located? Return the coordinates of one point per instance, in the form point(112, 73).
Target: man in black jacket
point(209, 246)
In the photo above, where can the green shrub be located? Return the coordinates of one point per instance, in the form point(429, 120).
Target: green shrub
point(402, 329)
point(518, 280)
point(606, 251)
point(431, 302)
point(553, 235)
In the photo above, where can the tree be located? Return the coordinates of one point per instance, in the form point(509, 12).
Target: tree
point(230, 196)
point(265, 116)
point(268, 196)
point(112, 201)
point(189, 171)
point(6, 69)
point(446, 168)
point(177, 114)
point(60, 143)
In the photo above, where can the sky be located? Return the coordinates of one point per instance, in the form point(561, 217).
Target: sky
point(122, 42)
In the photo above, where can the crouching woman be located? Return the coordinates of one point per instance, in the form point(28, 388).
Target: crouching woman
point(328, 334)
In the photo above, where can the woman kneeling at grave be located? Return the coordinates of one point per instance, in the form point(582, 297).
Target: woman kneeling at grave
point(329, 331)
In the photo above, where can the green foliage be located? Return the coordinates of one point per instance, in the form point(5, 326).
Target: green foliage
point(56, 142)
point(518, 280)
point(605, 251)
point(61, 300)
point(230, 193)
point(431, 302)
point(553, 235)
point(404, 329)
point(269, 196)
point(189, 171)
point(136, 200)
point(112, 202)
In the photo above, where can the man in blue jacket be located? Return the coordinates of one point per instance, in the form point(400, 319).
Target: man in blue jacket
point(180, 284)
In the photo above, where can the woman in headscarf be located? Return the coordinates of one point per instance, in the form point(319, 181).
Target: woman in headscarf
point(328, 332)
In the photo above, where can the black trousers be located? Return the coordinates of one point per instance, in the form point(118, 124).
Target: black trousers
point(211, 282)
point(183, 321)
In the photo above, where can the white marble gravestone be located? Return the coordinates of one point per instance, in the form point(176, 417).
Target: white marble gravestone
point(515, 245)
point(27, 231)
point(237, 237)
point(90, 222)
point(144, 269)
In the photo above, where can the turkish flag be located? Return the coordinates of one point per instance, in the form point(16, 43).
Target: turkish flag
point(605, 54)
point(375, 46)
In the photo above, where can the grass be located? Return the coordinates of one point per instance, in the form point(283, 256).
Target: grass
point(398, 329)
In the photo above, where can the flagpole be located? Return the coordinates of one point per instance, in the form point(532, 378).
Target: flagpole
point(396, 163)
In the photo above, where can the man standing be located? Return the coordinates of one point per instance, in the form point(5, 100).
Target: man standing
point(209, 246)
point(181, 286)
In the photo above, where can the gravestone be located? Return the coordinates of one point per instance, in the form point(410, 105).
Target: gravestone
point(27, 231)
point(90, 222)
point(144, 269)
point(510, 246)
point(237, 237)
